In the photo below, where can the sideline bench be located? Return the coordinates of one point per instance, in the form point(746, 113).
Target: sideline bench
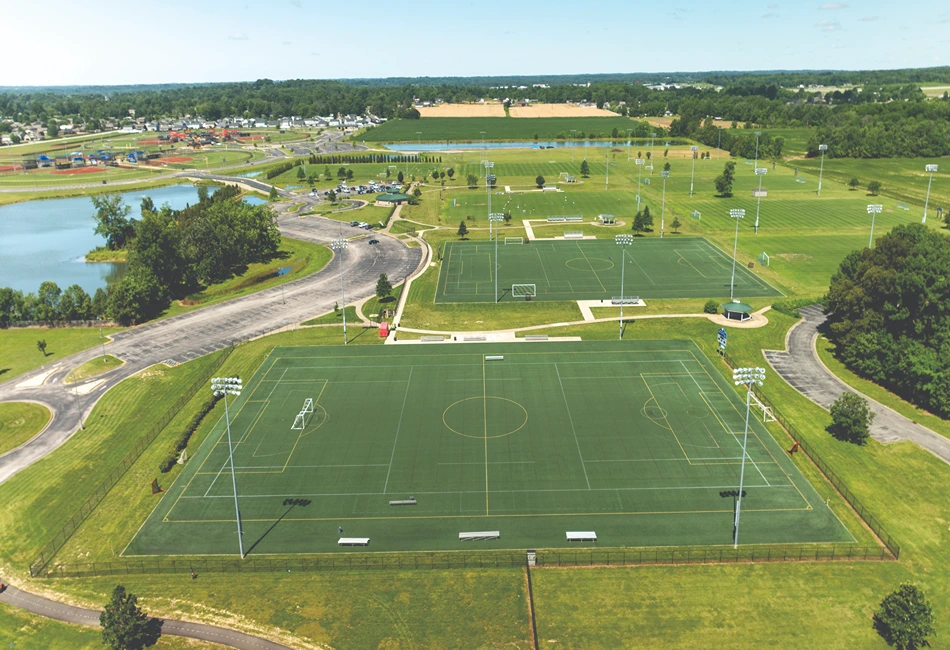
point(474, 338)
point(495, 357)
point(536, 337)
point(626, 300)
point(354, 541)
point(403, 502)
point(432, 339)
point(479, 536)
point(581, 536)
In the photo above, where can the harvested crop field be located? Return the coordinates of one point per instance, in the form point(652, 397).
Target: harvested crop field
point(559, 110)
point(462, 110)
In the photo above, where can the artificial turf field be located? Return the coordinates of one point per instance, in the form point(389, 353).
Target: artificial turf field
point(635, 441)
point(672, 267)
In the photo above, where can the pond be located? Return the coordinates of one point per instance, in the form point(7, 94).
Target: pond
point(477, 146)
point(46, 240)
point(255, 200)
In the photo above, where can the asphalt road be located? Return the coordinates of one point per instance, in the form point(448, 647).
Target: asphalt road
point(79, 616)
point(200, 332)
point(801, 367)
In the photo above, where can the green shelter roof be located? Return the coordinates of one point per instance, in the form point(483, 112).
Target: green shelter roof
point(739, 307)
point(392, 197)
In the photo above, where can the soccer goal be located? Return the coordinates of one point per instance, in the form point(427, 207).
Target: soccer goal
point(767, 415)
point(300, 422)
point(526, 291)
point(514, 241)
point(763, 259)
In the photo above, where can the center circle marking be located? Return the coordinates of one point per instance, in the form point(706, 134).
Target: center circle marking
point(588, 263)
point(524, 414)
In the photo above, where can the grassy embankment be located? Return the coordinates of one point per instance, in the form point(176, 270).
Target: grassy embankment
point(20, 421)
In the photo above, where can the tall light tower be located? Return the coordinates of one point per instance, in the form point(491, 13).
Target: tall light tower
point(931, 169)
point(338, 246)
point(747, 377)
point(640, 162)
point(664, 175)
point(222, 387)
point(737, 214)
point(484, 154)
point(494, 218)
point(692, 173)
point(757, 134)
point(821, 168)
point(873, 210)
point(623, 241)
point(652, 151)
point(489, 177)
point(760, 172)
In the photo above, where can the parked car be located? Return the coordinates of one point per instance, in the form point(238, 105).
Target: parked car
point(354, 223)
point(373, 242)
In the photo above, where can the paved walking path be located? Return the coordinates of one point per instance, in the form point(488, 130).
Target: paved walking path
point(800, 366)
point(90, 617)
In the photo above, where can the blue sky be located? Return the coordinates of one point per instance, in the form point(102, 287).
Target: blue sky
point(113, 42)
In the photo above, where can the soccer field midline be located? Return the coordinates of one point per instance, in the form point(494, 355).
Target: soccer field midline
point(590, 435)
point(672, 267)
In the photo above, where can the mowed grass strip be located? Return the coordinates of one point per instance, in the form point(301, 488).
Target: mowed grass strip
point(20, 421)
point(19, 354)
point(495, 128)
point(92, 368)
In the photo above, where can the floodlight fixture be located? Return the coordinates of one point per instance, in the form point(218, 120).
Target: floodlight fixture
point(747, 377)
point(737, 214)
point(873, 210)
point(931, 169)
point(821, 169)
point(338, 246)
point(623, 240)
point(222, 387)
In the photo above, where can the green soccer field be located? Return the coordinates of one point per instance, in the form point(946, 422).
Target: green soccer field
point(673, 267)
point(637, 442)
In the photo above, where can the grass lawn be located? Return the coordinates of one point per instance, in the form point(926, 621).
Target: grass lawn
point(300, 257)
point(18, 353)
point(92, 368)
point(335, 317)
point(496, 128)
point(20, 421)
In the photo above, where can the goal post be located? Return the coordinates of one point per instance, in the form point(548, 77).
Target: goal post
point(767, 415)
point(300, 422)
point(763, 259)
point(514, 240)
point(526, 291)
point(307, 406)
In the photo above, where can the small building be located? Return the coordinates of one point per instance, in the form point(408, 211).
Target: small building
point(391, 198)
point(736, 310)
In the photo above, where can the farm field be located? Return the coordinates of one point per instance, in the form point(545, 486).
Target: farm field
point(532, 444)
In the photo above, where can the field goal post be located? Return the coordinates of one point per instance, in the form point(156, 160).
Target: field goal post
point(767, 415)
point(514, 240)
point(526, 291)
point(763, 259)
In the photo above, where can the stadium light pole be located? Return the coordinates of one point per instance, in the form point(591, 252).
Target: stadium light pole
point(747, 377)
point(623, 241)
point(488, 166)
point(493, 218)
point(664, 175)
point(640, 162)
point(222, 387)
point(692, 174)
point(931, 169)
point(652, 151)
point(821, 168)
point(760, 172)
point(873, 209)
point(737, 214)
point(485, 157)
point(338, 246)
point(757, 134)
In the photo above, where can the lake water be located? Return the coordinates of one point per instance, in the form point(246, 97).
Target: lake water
point(477, 146)
point(46, 240)
point(255, 200)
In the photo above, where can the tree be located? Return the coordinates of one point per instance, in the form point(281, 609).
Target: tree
point(725, 179)
point(52, 129)
point(383, 286)
point(463, 230)
point(905, 618)
point(327, 175)
point(442, 175)
point(417, 192)
point(647, 218)
point(331, 194)
point(711, 307)
point(507, 217)
point(41, 346)
point(450, 172)
point(203, 194)
point(124, 625)
point(874, 187)
point(676, 224)
point(47, 301)
point(540, 181)
point(666, 166)
point(638, 224)
point(341, 173)
point(472, 181)
point(272, 195)
point(112, 220)
point(853, 183)
point(400, 177)
point(349, 174)
point(301, 174)
point(585, 168)
point(666, 152)
point(851, 418)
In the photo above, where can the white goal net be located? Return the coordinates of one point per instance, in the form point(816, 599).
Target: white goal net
point(300, 421)
point(524, 290)
point(767, 415)
point(514, 240)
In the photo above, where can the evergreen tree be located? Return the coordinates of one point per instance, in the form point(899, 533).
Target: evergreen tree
point(585, 168)
point(383, 286)
point(725, 180)
point(124, 625)
point(463, 230)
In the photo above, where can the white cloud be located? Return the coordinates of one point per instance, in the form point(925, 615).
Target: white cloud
point(828, 25)
point(238, 37)
point(314, 54)
point(832, 5)
point(868, 19)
